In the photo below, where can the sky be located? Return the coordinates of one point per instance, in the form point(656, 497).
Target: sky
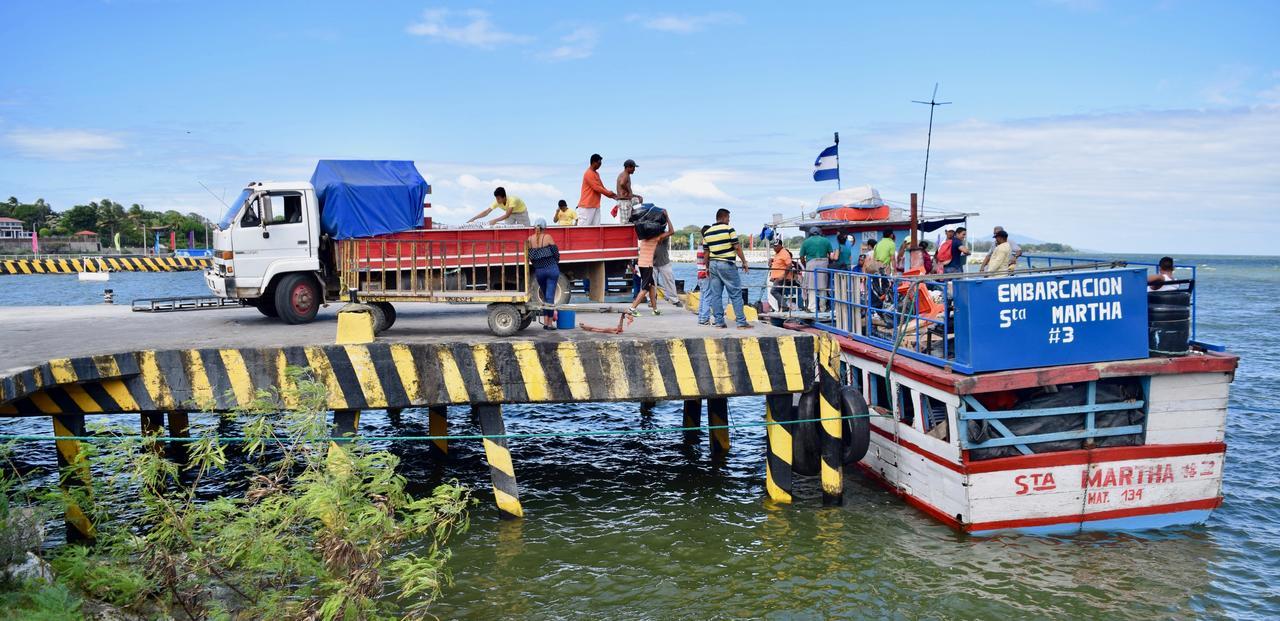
point(1114, 126)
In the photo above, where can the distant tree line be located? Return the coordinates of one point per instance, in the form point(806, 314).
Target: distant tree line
point(106, 218)
point(1053, 247)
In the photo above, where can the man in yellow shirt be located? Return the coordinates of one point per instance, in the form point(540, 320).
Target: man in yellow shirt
point(1000, 260)
point(565, 216)
point(515, 210)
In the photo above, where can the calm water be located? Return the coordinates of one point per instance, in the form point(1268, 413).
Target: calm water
point(644, 527)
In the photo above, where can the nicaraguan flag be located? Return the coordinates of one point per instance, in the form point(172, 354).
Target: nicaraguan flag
point(825, 168)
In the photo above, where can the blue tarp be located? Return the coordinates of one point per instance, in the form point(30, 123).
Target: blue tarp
point(362, 198)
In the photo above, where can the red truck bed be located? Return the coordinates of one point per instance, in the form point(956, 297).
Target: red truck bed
point(447, 248)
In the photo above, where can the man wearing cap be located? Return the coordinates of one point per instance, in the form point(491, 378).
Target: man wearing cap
point(816, 254)
point(592, 189)
point(626, 198)
point(1015, 251)
point(515, 209)
point(1000, 259)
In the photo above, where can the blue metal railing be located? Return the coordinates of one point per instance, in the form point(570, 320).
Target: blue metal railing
point(883, 311)
point(972, 410)
point(1038, 260)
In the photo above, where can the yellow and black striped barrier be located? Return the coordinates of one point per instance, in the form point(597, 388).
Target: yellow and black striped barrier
point(398, 375)
point(76, 265)
point(778, 438)
point(832, 428)
point(502, 471)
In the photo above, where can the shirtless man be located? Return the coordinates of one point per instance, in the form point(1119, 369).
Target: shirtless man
point(626, 198)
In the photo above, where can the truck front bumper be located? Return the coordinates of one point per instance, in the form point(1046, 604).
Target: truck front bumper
point(219, 285)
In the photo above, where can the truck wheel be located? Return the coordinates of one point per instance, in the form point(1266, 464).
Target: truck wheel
point(266, 305)
point(526, 319)
point(504, 319)
point(379, 318)
point(388, 313)
point(564, 288)
point(297, 298)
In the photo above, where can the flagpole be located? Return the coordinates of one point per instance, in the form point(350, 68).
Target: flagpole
point(837, 160)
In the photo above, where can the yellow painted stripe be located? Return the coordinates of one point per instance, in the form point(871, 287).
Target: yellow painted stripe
point(82, 398)
point(78, 265)
point(508, 503)
point(153, 381)
point(611, 355)
point(201, 388)
point(66, 267)
point(776, 494)
point(790, 363)
point(25, 266)
point(685, 378)
point(831, 481)
point(719, 367)
point(402, 356)
point(285, 387)
point(62, 372)
point(452, 377)
point(114, 264)
point(438, 425)
point(238, 374)
point(120, 394)
point(498, 457)
point(323, 371)
point(153, 265)
point(574, 374)
point(45, 403)
point(367, 375)
point(653, 373)
point(779, 439)
point(9, 267)
point(535, 381)
point(488, 375)
point(755, 364)
point(69, 449)
point(38, 266)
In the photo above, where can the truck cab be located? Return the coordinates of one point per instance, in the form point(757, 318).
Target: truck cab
point(267, 251)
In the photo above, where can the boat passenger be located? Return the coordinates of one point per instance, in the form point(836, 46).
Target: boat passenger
point(816, 254)
point(627, 200)
point(925, 258)
point(1164, 272)
point(514, 209)
point(959, 253)
point(844, 256)
point(592, 190)
point(565, 216)
point(544, 257)
point(1000, 259)
point(1015, 251)
point(782, 284)
point(884, 250)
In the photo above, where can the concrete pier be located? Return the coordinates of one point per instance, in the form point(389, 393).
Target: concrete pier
point(67, 362)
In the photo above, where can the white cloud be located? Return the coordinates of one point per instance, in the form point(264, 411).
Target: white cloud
point(581, 43)
point(523, 189)
point(684, 24)
point(62, 144)
point(694, 185)
point(1154, 181)
point(472, 28)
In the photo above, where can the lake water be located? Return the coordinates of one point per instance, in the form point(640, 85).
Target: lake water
point(642, 527)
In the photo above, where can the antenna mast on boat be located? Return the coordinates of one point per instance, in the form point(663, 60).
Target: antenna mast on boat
point(932, 103)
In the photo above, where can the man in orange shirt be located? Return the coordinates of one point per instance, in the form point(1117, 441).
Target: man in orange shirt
point(592, 189)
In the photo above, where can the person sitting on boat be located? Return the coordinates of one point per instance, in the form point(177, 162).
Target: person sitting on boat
point(515, 209)
point(565, 216)
point(925, 258)
point(1164, 272)
point(1000, 259)
point(544, 257)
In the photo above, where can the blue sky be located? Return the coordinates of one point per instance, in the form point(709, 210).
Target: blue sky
point(1119, 126)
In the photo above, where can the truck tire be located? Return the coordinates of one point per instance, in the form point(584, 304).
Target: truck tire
point(266, 305)
point(297, 298)
point(564, 288)
point(504, 319)
point(379, 318)
point(388, 313)
point(526, 319)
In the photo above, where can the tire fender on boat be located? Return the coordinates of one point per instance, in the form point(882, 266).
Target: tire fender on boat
point(857, 427)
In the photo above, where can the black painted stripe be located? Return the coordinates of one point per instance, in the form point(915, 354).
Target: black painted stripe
point(466, 361)
point(216, 373)
point(63, 400)
point(732, 349)
point(633, 362)
point(102, 397)
point(701, 366)
point(591, 355)
point(174, 374)
point(385, 368)
point(506, 368)
point(549, 360)
point(352, 391)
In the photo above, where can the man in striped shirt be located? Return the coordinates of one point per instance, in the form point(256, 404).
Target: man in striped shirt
point(721, 242)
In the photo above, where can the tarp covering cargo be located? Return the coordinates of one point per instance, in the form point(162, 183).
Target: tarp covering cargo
point(362, 198)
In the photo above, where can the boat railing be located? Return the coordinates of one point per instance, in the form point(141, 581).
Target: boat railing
point(1034, 261)
point(950, 320)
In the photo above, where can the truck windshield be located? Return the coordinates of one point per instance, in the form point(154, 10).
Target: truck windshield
point(233, 208)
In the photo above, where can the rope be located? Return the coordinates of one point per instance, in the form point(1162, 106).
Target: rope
point(506, 436)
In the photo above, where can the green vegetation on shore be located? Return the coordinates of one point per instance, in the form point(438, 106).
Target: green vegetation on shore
point(320, 531)
point(106, 218)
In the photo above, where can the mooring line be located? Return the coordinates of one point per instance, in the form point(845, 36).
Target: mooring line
point(505, 436)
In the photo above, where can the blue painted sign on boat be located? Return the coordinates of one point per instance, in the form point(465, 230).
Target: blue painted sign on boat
point(1020, 322)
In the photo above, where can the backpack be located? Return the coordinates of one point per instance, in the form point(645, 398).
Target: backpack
point(944, 251)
